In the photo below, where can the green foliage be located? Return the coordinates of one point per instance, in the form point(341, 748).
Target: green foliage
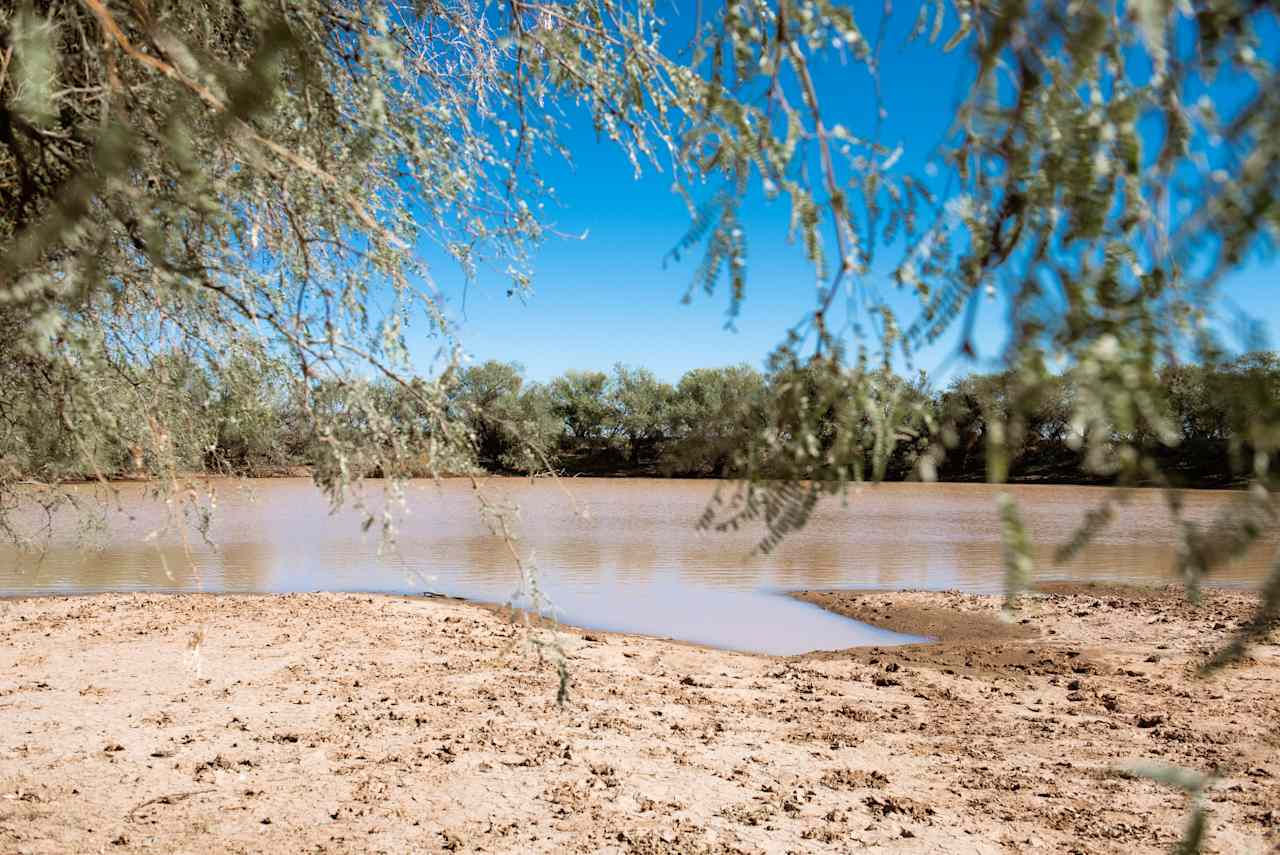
point(1263, 623)
point(1194, 785)
point(715, 413)
point(513, 428)
point(34, 63)
point(487, 396)
point(245, 416)
point(579, 399)
point(1018, 565)
point(640, 408)
point(220, 180)
point(243, 412)
point(825, 424)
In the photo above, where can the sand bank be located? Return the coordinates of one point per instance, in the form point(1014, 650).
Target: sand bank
point(348, 723)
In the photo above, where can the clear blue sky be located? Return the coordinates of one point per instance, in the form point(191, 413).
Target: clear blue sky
point(608, 298)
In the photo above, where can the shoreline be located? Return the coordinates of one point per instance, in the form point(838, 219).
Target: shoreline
point(881, 608)
point(359, 722)
point(303, 473)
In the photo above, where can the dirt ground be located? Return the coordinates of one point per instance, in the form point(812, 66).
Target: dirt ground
point(349, 723)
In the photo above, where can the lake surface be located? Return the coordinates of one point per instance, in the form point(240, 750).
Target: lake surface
point(621, 554)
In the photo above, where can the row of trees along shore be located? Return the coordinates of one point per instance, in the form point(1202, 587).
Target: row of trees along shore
point(247, 420)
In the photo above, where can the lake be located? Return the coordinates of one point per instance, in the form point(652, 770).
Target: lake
point(621, 554)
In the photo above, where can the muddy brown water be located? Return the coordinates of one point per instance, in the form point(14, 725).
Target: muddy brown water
point(620, 554)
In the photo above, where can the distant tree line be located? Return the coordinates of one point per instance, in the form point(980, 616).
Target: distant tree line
point(247, 419)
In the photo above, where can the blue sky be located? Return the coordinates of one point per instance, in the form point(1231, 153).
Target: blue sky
point(609, 298)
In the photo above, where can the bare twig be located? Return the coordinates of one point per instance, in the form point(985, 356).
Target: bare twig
point(167, 799)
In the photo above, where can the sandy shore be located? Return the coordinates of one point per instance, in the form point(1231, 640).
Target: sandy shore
point(345, 723)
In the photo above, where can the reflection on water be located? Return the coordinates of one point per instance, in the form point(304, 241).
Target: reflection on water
point(634, 562)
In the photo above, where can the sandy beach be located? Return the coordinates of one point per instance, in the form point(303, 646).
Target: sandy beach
point(353, 723)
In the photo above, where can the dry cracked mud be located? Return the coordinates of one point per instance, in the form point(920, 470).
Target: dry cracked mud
point(350, 723)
